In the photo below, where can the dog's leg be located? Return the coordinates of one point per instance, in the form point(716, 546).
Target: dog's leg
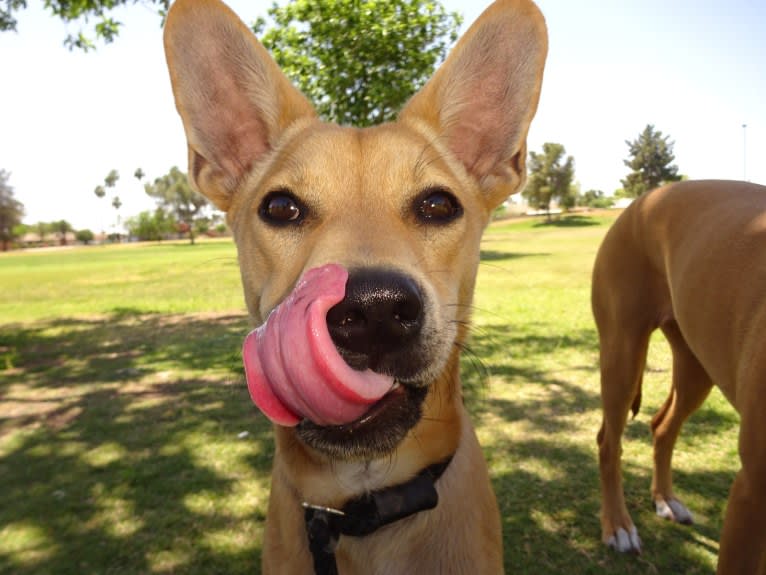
point(743, 542)
point(691, 386)
point(623, 357)
point(625, 318)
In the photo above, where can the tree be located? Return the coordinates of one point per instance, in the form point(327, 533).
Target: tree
point(11, 211)
point(110, 181)
point(148, 226)
point(651, 157)
point(62, 227)
point(111, 178)
point(173, 193)
point(359, 61)
point(550, 177)
point(84, 236)
point(105, 28)
point(43, 229)
point(596, 199)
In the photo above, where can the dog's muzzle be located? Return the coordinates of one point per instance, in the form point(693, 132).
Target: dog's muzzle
point(377, 324)
point(344, 359)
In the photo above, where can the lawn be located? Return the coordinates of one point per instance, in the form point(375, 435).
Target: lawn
point(128, 444)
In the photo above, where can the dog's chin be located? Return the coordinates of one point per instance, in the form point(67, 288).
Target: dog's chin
point(376, 433)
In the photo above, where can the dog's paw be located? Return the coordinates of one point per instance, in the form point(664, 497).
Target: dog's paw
point(625, 541)
point(673, 510)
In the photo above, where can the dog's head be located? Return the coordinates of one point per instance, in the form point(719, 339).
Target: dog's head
point(400, 207)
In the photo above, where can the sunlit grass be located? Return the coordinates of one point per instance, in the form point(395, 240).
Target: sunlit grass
point(128, 443)
point(160, 278)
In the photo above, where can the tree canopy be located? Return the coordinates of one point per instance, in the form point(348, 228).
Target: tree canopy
point(105, 28)
point(550, 177)
point(173, 193)
point(359, 61)
point(596, 199)
point(151, 226)
point(11, 211)
point(651, 162)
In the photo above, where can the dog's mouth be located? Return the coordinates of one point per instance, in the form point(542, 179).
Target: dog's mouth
point(377, 432)
point(329, 364)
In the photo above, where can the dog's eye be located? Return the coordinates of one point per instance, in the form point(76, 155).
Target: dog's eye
point(281, 207)
point(437, 206)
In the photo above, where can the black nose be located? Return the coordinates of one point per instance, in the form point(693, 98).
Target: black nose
point(381, 314)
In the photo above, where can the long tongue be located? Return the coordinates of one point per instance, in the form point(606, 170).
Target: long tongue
point(292, 367)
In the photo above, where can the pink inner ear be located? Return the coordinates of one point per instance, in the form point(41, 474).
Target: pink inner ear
point(242, 145)
point(230, 126)
point(482, 136)
point(483, 98)
point(232, 97)
point(481, 116)
point(476, 149)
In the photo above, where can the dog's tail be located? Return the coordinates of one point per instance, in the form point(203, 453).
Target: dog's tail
point(636, 405)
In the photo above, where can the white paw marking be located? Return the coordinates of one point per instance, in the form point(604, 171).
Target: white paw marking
point(681, 513)
point(625, 541)
point(673, 510)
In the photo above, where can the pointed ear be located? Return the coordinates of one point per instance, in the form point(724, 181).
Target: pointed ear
point(481, 101)
point(233, 99)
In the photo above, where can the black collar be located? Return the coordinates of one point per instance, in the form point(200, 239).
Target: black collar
point(367, 513)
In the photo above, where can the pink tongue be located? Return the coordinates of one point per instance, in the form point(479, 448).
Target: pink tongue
point(292, 367)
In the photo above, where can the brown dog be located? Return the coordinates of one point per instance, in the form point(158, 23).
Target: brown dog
point(690, 259)
point(401, 207)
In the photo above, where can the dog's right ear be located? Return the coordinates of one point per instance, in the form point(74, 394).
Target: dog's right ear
point(481, 101)
point(233, 99)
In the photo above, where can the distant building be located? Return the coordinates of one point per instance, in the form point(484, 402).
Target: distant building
point(33, 239)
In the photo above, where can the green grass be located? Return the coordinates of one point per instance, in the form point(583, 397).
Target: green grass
point(162, 278)
point(128, 443)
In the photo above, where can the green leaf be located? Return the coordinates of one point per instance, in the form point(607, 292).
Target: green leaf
point(359, 62)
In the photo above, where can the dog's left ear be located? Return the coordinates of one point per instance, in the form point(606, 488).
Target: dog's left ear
point(481, 101)
point(234, 100)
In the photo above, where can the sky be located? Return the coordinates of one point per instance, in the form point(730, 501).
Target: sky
point(695, 69)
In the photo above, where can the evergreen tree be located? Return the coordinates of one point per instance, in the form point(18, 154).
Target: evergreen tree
point(651, 162)
point(550, 177)
point(174, 194)
point(11, 211)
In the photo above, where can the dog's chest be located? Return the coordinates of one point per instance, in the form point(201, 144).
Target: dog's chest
point(364, 477)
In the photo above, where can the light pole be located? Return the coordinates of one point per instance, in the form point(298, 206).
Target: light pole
point(744, 152)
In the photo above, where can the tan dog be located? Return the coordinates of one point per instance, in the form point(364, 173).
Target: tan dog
point(689, 259)
point(402, 207)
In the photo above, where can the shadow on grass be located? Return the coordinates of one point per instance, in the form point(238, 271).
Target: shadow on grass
point(129, 445)
point(571, 221)
point(492, 349)
point(549, 493)
point(495, 256)
point(122, 451)
point(551, 525)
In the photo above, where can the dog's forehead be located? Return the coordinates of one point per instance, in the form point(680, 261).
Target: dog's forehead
point(390, 155)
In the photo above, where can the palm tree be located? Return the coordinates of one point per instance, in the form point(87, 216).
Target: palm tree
point(63, 227)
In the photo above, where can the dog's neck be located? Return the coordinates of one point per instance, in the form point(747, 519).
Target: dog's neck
point(328, 482)
point(366, 514)
point(332, 483)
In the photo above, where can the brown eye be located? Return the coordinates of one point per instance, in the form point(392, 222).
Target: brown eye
point(437, 206)
point(280, 208)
